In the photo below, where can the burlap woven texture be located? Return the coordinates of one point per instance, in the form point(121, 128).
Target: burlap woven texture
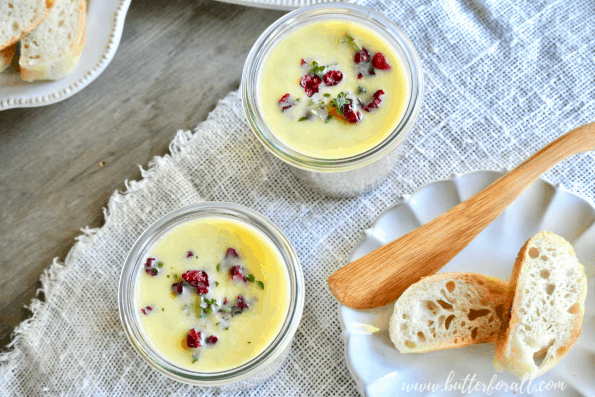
point(503, 78)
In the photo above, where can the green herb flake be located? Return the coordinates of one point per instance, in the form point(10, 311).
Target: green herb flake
point(340, 101)
point(302, 119)
point(218, 267)
point(350, 42)
point(249, 342)
point(175, 276)
point(160, 265)
point(297, 99)
point(260, 284)
point(194, 359)
point(218, 323)
point(168, 276)
point(328, 118)
point(226, 328)
point(162, 309)
point(326, 95)
point(250, 278)
point(361, 90)
point(154, 270)
point(216, 283)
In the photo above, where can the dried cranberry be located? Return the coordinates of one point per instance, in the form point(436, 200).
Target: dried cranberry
point(333, 77)
point(371, 72)
point(284, 108)
point(302, 62)
point(310, 82)
point(238, 273)
point(231, 252)
point(150, 308)
point(284, 98)
point(225, 301)
point(212, 339)
point(359, 76)
point(375, 101)
point(149, 262)
point(350, 115)
point(361, 56)
point(380, 62)
point(198, 279)
point(241, 304)
point(152, 271)
point(143, 310)
point(193, 338)
point(189, 254)
point(178, 287)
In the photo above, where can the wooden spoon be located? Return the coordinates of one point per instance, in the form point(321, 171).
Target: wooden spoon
point(383, 275)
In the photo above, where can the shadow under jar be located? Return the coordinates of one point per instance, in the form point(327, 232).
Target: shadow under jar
point(212, 295)
point(333, 90)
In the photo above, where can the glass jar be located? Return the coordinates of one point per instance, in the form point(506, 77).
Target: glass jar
point(349, 176)
point(251, 373)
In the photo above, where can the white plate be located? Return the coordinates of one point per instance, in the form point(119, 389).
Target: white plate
point(380, 370)
point(282, 4)
point(105, 21)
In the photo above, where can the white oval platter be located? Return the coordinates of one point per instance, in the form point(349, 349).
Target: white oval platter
point(286, 5)
point(105, 21)
point(380, 370)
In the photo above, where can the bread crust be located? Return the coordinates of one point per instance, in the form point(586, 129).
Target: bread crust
point(494, 291)
point(6, 57)
point(509, 355)
point(28, 29)
point(60, 67)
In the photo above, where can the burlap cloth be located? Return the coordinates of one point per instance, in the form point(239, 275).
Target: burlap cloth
point(503, 78)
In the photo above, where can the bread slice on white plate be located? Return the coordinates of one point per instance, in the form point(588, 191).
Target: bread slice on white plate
point(448, 310)
point(52, 50)
point(545, 307)
point(6, 57)
point(19, 17)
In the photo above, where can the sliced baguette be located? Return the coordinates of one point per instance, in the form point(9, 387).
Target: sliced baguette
point(52, 50)
point(448, 310)
point(545, 307)
point(19, 17)
point(6, 57)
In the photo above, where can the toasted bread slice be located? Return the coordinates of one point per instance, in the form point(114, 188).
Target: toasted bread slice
point(52, 50)
point(19, 17)
point(446, 311)
point(545, 307)
point(6, 57)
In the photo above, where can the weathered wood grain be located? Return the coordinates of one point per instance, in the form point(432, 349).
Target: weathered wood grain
point(176, 60)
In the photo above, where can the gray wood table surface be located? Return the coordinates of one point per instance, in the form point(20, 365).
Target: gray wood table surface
point(59, 164)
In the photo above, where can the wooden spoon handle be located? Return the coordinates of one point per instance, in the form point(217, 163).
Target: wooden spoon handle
point(381, 276)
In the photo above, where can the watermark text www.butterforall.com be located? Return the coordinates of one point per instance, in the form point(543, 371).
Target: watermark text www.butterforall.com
point(470, 384)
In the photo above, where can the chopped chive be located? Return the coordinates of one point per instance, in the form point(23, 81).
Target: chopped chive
point(326, 95)
point(302, 119)
point(218, 323)
point(260, 284)
point(194, 359)
point(218, 267)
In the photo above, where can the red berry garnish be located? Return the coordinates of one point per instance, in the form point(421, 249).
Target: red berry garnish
point(350, 115)
point(198, 279)
point(371, 72)
point(189, 254)
point(361, 56)
point(143, 310)
point(310, 82)
point(231, 252)
point(237, 273)
point(178, 287)
point(302, 62)
point(284, 98)
point(149, 262)
point(333, 77)
point(359, 76)
point(380, 62)
point(149, 308)
point(225, 301)
point(241, 304)
point(193, 339)
point(375, 101)
point(212, 339)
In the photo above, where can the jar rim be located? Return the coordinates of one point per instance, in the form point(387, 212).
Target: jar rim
point(164, 225)
point(284, 25)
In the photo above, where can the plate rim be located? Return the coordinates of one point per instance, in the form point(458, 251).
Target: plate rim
point(403, 199)
point(85, 77)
